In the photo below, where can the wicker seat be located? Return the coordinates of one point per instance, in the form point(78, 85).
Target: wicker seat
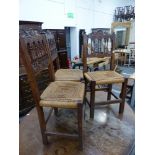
point(65, 94)
point(61, 74)
point(69, 74)
point(36, 57)
point(102, 80)
point(104, 77)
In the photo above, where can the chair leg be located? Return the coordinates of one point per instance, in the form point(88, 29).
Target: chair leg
point(56, 111)
point(42, 124)
point(85, 98)
point(80, 125)
point(109, 91)
point(92, 99)
point(123, 95)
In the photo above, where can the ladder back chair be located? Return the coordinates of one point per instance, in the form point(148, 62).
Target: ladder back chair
point(58, 94)
point(62, 74)
point(103, 78)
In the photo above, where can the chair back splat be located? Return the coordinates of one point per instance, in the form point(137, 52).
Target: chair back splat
point(98, 44)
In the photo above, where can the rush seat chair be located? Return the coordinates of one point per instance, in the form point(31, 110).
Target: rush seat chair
point(61, 74)
point(58, 94)
point(102, 80)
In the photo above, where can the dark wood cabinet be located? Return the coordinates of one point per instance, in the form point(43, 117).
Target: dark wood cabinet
point(60, 39)
point(26, 25)
point(63, 59)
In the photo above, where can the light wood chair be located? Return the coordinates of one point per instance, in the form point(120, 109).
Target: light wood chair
point(61, 74)
point(102, 78)
point(58, 94)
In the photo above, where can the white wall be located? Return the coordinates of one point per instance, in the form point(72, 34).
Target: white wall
point(50, 12)
point(132, 32)
point(87, 14)
point(73, 41)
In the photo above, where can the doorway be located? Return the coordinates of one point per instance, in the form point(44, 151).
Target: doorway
point(68, 42)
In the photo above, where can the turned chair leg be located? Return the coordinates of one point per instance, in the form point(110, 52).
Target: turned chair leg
point(80, 111)
point(92, 99)
point(42, 124)
point(123, 95)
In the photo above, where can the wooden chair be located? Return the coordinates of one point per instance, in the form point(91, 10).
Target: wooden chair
point(119, 14)
point(98, 48)
point(131, 47)
point(67, 94)
point(103, 78)
point(62, 74)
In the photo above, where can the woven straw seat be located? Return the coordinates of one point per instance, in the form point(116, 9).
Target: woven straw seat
point(64, 94)
point(69, 74)
point(104, 77)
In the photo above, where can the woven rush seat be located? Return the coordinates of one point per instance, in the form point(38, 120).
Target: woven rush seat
point(69, 74)
point(104, 77)
point(64, 94)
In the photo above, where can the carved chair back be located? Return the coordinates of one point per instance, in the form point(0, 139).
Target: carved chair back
point(100, 44)
point(97, 44)
point(36, 59)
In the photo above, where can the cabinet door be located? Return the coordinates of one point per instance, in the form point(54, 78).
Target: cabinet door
point(63, 59)
point(61, 39)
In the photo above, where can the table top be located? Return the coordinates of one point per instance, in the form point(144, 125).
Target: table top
point(91, 60)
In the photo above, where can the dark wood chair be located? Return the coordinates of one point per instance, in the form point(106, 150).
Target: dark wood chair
point(61, 74)
point(128, 12)
point(102, 80)
point(67, 94)
point(119, 14)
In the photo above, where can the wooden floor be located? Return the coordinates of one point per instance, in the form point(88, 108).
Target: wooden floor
point(108, 134)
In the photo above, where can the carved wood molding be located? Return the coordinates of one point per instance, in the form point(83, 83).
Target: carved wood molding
point(126, 24)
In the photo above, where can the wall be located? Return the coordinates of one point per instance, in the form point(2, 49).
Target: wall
point(86, 14)
point(132, 32)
